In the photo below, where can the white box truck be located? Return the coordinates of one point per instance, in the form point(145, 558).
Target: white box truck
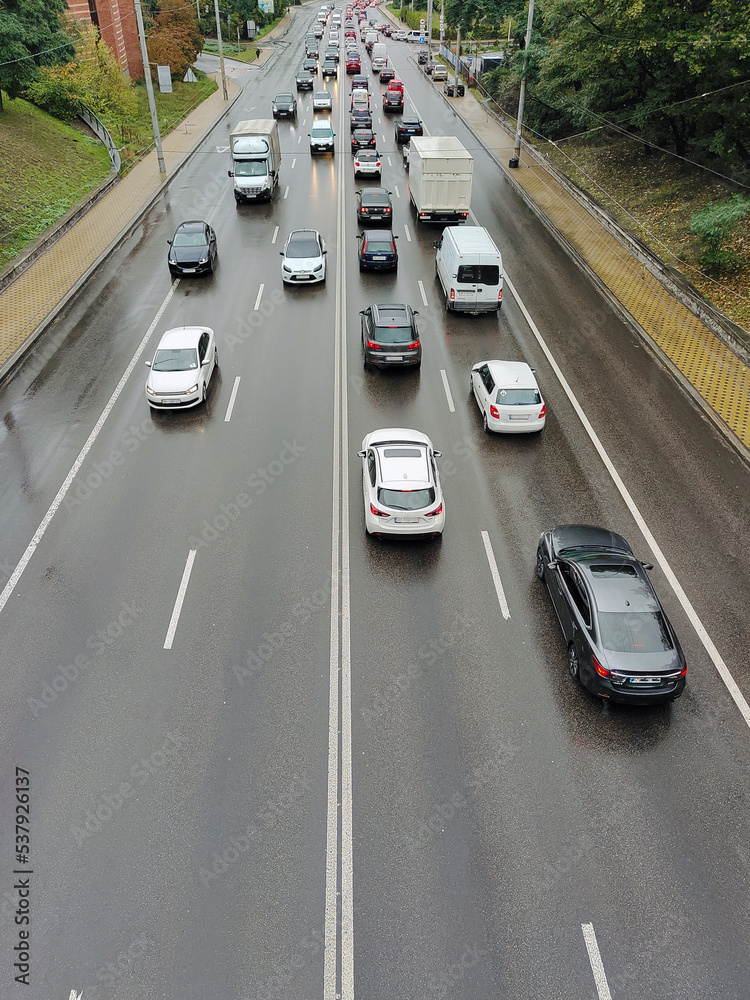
point(440, 172)
point(256, 158)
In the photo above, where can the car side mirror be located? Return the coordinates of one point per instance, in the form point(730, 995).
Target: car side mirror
point(361, 454)
point(325, 251)
point(436, 245)
point(206, 362)
point(552, 565)
point(169, 243)
point(415, 312)
point(230, 173)
point(438, 454)
point(395, 237)
point(647, 565)
point(147, 364)
point(281, 253)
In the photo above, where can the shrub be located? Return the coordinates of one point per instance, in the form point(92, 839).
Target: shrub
point(713, 225)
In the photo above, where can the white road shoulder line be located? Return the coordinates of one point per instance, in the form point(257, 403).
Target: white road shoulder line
point(408, 234)
point(275, 234)
point(447, 388)
point(705, 638)
point(286, 192)
point(232, 398)
point(389, 161)
point(395, 186)
point(257, 301)
point(68, 481)
point(421, 292)
point(495, 575)
point(180, 598)
point(595, 958)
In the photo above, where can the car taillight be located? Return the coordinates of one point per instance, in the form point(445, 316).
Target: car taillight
point(494, 412)
point(378, 513)
point(373, 345)
point(377, 165)
point(683, 671)
point(385, 210)
point(602, 671)
point(364, 210)
point(543, 411)
point(412, 346)
point(453, 294)
point(435, 512)
point(500, 295)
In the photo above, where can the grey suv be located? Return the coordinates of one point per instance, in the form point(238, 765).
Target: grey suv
point(390, 338)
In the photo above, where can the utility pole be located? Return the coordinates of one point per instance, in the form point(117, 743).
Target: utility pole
point(221, 50)
point(149, 87)
point(458, 60)
point(442, 22)
point(429, 30)
point(515, 160)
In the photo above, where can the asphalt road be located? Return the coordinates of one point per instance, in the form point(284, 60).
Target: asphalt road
point(464, 822)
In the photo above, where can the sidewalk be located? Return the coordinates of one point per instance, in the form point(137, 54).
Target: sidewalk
point(32, 300)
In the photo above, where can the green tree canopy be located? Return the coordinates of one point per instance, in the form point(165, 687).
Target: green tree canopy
point(31, 35)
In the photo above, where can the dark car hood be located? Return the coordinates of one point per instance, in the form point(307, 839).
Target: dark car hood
point(574, 535)
point(188, 255)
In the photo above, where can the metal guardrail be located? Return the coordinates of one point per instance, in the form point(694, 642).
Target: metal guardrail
point(101, 130)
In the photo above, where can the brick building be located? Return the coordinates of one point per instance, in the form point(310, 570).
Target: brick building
point(116, 22)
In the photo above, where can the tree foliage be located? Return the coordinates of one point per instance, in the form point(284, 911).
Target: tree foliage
point(467, 14)
point(714, 225)
point(175, 38)
point(31, 35)
point(93, 79)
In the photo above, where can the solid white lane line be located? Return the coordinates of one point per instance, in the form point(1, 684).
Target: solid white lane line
point(495, 576)
point(45, 522)
point(286, 192)
point(275, 234)
point(232, 398)
point(257, 301)
point(595, 958)
point(180, 598)
point(293, 162)
point(708, 644)
point(447, 388)
point(395, 186)
point(421, 292)
point(408, 234)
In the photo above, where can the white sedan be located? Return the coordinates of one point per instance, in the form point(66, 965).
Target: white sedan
point(401, 485)
point(508, 397)
point(322, 101)
point(303, 258)
point(182, 368)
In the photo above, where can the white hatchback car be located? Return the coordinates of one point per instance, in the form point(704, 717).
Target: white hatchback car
point(508, 397)
point(401, 484)
point(182, 368)
point(322, 101)
point(304, 258)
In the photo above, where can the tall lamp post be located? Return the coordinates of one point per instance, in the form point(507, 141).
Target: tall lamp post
point(149, 88)
point(516, 158)
point(221, 51)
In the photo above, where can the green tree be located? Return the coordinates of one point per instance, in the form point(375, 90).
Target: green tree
point(31, 35)
point(714, 225)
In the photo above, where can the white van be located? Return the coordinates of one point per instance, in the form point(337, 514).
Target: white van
point(470, 269)
point(379, 57)
point(371, 38)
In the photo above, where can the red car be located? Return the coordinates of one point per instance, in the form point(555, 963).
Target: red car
point(353, 65)
point(396, 84)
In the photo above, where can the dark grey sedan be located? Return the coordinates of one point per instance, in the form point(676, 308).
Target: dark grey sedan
point(285, 106)
point(621, 645)
point(374, 205)
point(192, 249)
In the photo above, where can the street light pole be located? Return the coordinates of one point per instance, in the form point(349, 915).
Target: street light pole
point(149, 88)
point(221, 50)
point(429, 30)
point(522, 96)
point(442, 22)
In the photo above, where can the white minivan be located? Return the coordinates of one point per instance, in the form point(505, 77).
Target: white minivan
point(379, 57)
point(470, 269)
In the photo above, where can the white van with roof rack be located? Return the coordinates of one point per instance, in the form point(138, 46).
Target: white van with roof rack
point(470, 269)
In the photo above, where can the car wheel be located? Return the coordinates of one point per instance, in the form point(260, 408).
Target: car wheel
point(574, 667)
point(539, 568)
point(216, 358)
point(485, 425)
point(203, 395)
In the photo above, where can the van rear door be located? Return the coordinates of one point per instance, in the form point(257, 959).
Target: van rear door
point(478, 283)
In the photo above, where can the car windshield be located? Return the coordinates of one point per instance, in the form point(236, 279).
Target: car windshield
point(406, 499)
point(250, 168)
point(189, 240)
point(322, 95)
point(284, 98)
point(393, 335)
point(518, 397)
point(178, 359)
point(379, 246)
point(321, 133)
point(634, 632)
point(303, 248)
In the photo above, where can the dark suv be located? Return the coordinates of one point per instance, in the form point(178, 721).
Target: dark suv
point(285, 106)
point(393, 100)
point(406, 128)
point(390, 337)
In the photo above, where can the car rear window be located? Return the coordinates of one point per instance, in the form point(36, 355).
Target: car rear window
point(379, 246)
point(395, 335)
point(480, 274)
point(375, 198)
point(406, 499)
point(518, 397)
point(634, 632)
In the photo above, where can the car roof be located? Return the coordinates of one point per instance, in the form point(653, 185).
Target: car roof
point(183, 336)
point(284, 97)
point(376, 193)
point(410, 121)
point(321, 93)
point(512, 374)
point(191, 226)
point(377, 235)
point(391, 313)
point(372, 154)
point(396, 471)
point(301, 234)
point(619, 583)
point(571, 536)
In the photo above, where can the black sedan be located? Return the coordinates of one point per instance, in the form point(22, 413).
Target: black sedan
point(360, 118)
point(332, 55)
point(360, 82)
point(406, 128)
point(285, 106)
point(330, 68)
point(621, 645)
point(311, 65)
point(374, 205)
point(305, 80)
point(377, 251)
point(387, 74)
point(363, 138)
point(192, 249)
